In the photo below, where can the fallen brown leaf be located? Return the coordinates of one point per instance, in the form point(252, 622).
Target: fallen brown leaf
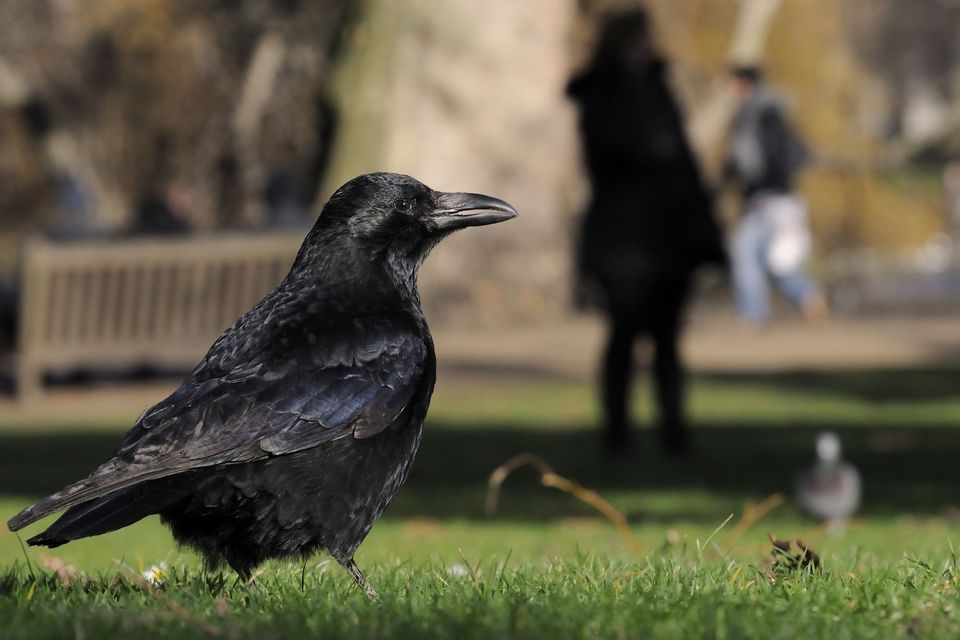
point(785, 559)
point(67, 573)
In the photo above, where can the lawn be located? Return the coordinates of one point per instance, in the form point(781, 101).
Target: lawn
point(546, 564)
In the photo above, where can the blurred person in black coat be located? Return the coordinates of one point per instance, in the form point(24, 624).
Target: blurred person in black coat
point(649, 224)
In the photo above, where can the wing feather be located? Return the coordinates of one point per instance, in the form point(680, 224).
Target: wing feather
point(331, 380)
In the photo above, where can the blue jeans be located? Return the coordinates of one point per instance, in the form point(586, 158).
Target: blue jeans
point(748, 254)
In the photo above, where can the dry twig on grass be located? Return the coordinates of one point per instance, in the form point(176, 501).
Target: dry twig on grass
point(549, 478)
point(753, 514)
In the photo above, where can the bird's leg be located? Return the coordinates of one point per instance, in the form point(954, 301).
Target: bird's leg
point(354, 570)
point(243, 573)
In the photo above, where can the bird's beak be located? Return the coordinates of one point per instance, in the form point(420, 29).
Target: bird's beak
point(458, 210)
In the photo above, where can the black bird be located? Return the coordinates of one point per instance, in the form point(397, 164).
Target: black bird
point(299, 426)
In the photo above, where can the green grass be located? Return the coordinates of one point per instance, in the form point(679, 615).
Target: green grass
point(546, 565)
point(581, 596)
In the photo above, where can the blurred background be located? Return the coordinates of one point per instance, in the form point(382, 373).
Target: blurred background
point(161, 160)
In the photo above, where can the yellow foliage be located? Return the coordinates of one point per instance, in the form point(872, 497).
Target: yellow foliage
point(809, 58)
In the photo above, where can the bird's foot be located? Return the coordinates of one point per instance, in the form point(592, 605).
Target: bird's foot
point(246, 577)
point(361, 581)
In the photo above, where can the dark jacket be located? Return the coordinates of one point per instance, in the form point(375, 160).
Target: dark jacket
point(766, 154)
point(650, 217)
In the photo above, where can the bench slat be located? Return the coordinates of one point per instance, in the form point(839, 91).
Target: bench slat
point(139, 302)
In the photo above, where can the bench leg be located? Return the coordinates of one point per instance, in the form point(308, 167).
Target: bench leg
point(29, 384)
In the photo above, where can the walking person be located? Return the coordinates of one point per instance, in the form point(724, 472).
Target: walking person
point(649, 223)
point(772, 238)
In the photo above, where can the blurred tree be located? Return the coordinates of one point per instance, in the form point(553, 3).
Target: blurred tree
point(461, 93)
point(913, 47)
point(115, 76)
point(469, 95)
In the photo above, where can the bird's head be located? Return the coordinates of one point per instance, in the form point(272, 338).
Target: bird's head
point(398, 219)
point(828, 447)
point(394, 207)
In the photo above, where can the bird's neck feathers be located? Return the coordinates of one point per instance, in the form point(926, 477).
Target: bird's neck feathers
point(338, 261)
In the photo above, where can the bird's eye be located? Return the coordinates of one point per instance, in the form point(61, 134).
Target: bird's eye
point(404, 205)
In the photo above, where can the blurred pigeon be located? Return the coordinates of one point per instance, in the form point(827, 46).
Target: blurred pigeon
point(829, 490)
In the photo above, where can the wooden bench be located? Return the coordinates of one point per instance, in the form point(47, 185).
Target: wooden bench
point(131, 302)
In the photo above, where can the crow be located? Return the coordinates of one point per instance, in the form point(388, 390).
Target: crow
point(302, 421)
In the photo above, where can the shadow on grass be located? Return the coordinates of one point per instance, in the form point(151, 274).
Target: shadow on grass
point(871, 385)
point(904, 470)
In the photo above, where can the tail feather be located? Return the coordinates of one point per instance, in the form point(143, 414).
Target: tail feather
point(111, 512)
point(109, 479)
point(73, 494)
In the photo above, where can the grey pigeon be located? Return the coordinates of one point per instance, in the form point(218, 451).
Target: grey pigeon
point(829, 489)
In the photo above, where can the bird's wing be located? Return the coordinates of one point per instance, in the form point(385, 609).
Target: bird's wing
point(311, 385)
point(356, 380)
